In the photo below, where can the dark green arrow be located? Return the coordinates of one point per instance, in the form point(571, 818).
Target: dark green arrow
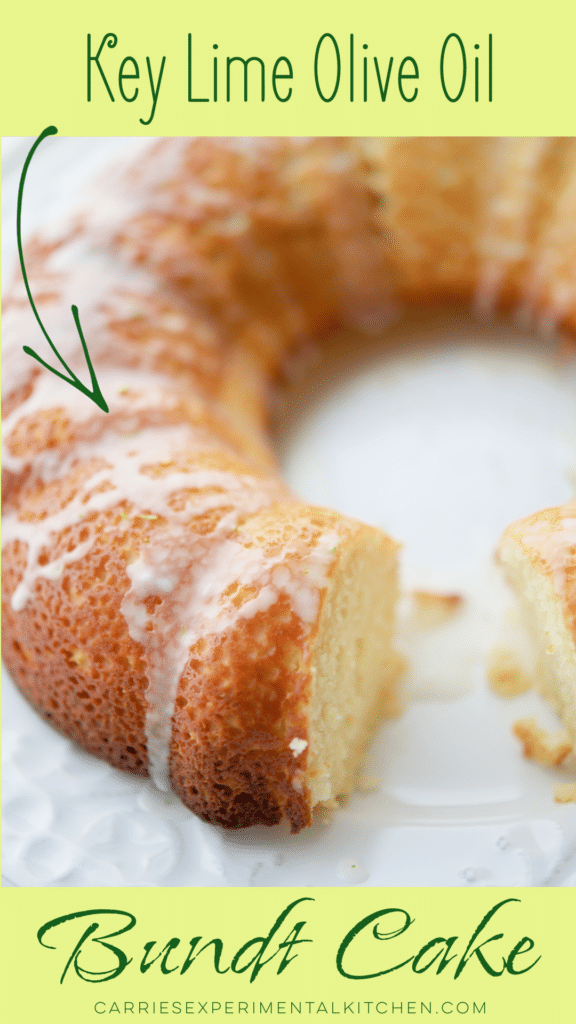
point(95, 395)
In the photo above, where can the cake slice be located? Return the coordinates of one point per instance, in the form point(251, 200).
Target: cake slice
point(539, 557)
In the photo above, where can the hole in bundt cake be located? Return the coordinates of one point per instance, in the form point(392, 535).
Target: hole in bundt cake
point(440, 432)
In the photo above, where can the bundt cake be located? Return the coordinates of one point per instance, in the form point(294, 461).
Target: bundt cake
point(167, 602)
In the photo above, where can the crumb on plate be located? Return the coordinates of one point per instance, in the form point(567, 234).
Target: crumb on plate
point(548, 749)
point(432, 609)
point(506, 677)
point(566, 793)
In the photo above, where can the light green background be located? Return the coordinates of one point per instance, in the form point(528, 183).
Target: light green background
point(33, 993)
point(43, 66)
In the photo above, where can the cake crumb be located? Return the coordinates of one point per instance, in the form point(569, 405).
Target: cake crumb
point(506, 677)
point(432, 609)
point(548, 749)
point(565, 794)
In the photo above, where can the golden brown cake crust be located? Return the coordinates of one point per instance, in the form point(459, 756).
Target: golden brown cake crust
point(162, 590)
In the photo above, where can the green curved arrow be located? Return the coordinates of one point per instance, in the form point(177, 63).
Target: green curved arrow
point(95, 395)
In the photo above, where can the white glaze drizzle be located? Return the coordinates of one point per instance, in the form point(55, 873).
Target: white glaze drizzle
point(193, 586)
point(297, 746)
point(200, 606)
point(125, 481)
point(127, 392)
point(76, 272)
point(191, 573)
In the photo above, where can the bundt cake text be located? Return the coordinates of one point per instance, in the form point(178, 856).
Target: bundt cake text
point(488, 947)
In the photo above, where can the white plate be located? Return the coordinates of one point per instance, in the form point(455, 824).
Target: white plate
point(442, 438)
